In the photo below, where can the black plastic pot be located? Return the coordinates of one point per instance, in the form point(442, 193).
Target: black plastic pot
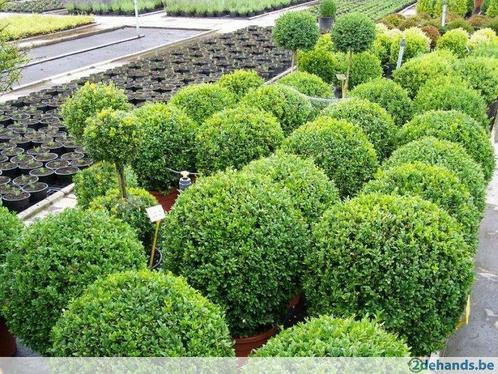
point(38, 191)
point(4, 180)
point(25, 179)
point(53, 147)
point(16, 201)
point(9, 169)
point(26, 167)
point(56, 164)
point(65, 174)
point(46, 157)
point(45, 175)
point(82, 163)
point(71, 156)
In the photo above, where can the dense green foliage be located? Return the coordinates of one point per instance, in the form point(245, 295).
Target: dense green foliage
point(328, 8)
point(389, 95)
point(455, 127)
point(237, 238)
point(417, 43)
point(456, 41)
point(308, 84)
point(353, 32)
point(374, 120)
point(365, 67)
point(327, 336)
point(57, 257)
point(310, 189)
point(168, 142)
point(482, 75)
point(401, 259)
point(240, 82)
point(201, 101)
point(153, 314)
point(339, 148)
point(296, 30)
point(321, 62)
point(10, 231)
point(291, 108)
point(87, 102)
point(234, 137)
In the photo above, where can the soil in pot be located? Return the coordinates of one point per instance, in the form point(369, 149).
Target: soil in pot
point(7, 341)
point(82, 163)
point(4, 180)
point(16, 200)
point(65, 174)
point(5, 188)
point(12, 152)
point(56, 164)
point(9, 169)
point(44, 174)
point(26, 167)
point(46, 157)
point(244, 346)
point(167, 201)
point(25, 179)
point(21, 158)
point(71, 156)
point(37, 190)
point(52, 147)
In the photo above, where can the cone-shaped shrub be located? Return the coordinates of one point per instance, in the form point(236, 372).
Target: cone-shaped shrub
point(401, 259)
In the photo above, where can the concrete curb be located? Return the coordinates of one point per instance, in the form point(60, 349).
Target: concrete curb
point(44, 204)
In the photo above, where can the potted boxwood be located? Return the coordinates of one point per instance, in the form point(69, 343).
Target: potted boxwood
point(327, 11)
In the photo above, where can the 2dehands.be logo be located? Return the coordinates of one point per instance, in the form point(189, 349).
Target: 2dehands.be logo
point(417, 365)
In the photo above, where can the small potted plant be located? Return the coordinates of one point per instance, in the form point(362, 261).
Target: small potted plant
point(37, 190)
point(327, 10)
point(16, 200)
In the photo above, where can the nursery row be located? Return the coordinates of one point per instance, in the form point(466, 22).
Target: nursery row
point(114, 7)
point(32, 6)
point(374, 9)
point(363, 207)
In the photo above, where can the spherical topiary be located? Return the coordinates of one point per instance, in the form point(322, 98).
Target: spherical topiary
point(327, 8)
point(325, 42)
point(492, 23)
point(322, 63)
point(153, 314)
point(96, 180)
point(433, 33)
point(389, 95)
point(381, 46)
point(391, 257)
point(240, 82)
point(237, 238)
point(459, 24)
point(435, 184)
point(447, 93)
point(296, 30)
point(425, 6)
point(201, 101)
point(291, 108)
point(492, 10)
point(10, 231)
point(417, 43)
point(57, 257)
point(168, 142)
point(486, 49)
point(447, 154)
point(234, 137)
point(327, 336)
point(455, 127)
point(338, 147)
point(414, 73)
point(132, 210)
point(456, 41)
point(309, 187)
point(482, 36)
point(478, 21)
point(374, 120)
point(308, 84)
point(393, 20)
point(482, 75)
point(365, 67)
point(353, 32)
point(87, 102)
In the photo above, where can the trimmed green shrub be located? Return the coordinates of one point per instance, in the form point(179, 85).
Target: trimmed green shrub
point(365, 67)
point(239, 240)
point(97, 180)
point(492, 24)
point(482, 75)
point(416, 72)
point(482, 36)
point(201, 101)
point(374, 120)
point(426, 6)
point(447, 154)
point(310, 189)
point(435, 184)
point(353, 32)
point(308, 84)
point(433, 33)
point(153, 314)
point(417, 43)
point(240, 82)
point(234, 137)
point(321, 62)
point(460, 24)
point(296, 30)
point(57, 257)
point(168, 141)
point(458, 7)
point(324, 42)
point(381, 46)
point(338, 147)
point(327, 8)
point(393, 20)
point(389, 95)
point(132, 211)
point(455, 127)
point(87, 102)
point(10, 231)
point(327, 336)
point(492, 10)
point(478, 21)
point(291, 108)
point(113, 136)
point(486, 50)
point(456, 41)
point(401, 259)
point(448, 93)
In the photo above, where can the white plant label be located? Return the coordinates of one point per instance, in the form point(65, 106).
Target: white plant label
point(156, 213)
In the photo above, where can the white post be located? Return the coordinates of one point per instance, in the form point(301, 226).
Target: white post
point(444, 13)
point(402, 46)
point(135, 2)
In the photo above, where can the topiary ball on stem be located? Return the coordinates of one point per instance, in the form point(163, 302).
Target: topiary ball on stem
point(240, 82)
point(153, 314)
point(374, 120)
point(239, 240)
point(339, 148)
point(291, 108)
point(433, 183)
point(312, 191)
point(455, 127)
point(168, 142)
point(456, 41)
point(57, 257)
point(327, 336)
point(391, 257)
point(86, 102)
point(234, 137)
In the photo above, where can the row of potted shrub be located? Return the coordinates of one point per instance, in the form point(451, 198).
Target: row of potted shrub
point(251, 239)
